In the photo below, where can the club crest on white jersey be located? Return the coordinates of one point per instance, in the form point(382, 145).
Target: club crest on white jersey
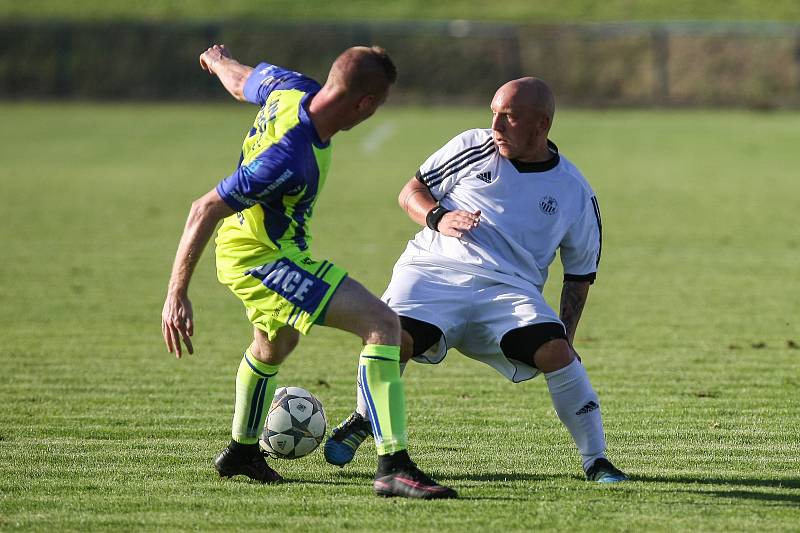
point(548, 205)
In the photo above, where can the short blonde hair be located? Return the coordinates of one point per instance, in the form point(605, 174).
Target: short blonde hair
point(363, 69)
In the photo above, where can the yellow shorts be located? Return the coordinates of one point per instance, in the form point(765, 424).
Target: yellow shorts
point(283, 291)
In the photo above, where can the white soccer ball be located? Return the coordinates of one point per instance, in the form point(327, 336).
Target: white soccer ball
point(295, 424)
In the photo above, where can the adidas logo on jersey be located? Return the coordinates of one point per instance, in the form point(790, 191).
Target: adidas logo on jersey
point(588, 408)
point(485, 176)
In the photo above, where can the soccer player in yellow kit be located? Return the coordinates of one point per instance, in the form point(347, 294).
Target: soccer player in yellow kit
point(263, 256)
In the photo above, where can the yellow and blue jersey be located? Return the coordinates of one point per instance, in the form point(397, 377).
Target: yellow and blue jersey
point(281, 172)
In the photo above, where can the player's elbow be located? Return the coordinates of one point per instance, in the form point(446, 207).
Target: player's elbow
point(207, 209)
point(404, 196)
point(401, 199)
point(237, 88)
point(198, 212)
point(198, 208)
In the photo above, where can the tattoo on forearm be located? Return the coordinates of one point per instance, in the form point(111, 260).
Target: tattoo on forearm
point(573, 298)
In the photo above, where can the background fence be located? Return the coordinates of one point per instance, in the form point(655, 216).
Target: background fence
point(627, 64)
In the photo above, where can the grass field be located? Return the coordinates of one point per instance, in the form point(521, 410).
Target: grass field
point(690, 336)
point(509, 10)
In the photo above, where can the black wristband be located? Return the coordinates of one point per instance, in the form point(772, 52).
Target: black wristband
point(434, 216)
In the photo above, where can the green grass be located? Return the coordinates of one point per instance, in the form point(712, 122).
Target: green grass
point(509, 10)
point(689, 336)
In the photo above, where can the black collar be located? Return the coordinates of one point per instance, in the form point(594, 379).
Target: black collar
point(539, 166)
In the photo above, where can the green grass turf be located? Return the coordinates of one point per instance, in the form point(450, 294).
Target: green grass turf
point(508, 10)
point(690, 335)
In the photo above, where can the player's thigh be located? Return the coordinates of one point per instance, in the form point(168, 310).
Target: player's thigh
point(434, 304)
point(283, 291)
point(504, 309)
point(354, 309)
point(543, 345)
point(418, 337)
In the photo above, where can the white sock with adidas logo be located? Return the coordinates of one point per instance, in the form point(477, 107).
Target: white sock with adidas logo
point(578, 408)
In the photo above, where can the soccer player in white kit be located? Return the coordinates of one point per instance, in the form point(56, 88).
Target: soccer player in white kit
point(497, 203)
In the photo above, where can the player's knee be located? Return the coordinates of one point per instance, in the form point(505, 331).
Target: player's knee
point(385, 326)
point(541, 345)
point(553, 355)
point(406, 347)
point(275, 351)
point(289, 344)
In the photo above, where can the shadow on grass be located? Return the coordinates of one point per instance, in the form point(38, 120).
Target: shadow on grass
point(332, 482)
point(462, 497)
point(366, 481)
point(737, 493)
point(753, 495)
point(502, 476)
point(361, 478)
point(363, 484)
point(789, 483)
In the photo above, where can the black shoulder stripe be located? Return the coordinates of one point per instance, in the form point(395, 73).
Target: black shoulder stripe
point(599, 228)
point(488, 151)
point(418, 176)
point(455, 160)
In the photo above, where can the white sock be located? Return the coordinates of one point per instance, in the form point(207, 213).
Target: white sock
point(578, 408)
point(361, 404)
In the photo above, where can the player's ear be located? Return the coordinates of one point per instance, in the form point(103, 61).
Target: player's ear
point(366, 102)
point(543, 123)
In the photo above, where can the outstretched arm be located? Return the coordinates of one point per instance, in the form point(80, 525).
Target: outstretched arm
point(573, 298)
point(232, 74)
point(416, 200)
point(176, 317)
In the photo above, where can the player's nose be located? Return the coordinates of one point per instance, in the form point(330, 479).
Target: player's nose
point(498, 124)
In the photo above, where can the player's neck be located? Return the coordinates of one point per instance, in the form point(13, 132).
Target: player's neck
point(538, 154)
point(320, 118)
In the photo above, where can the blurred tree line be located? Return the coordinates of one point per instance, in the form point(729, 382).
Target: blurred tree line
point(748, 64)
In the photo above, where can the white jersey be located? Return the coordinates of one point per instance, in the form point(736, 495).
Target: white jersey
point(528, 211)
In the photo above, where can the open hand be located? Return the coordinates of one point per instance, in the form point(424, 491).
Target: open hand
point(455, 223)
point(177, 323)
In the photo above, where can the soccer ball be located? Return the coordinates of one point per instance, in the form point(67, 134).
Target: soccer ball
point(295, 424)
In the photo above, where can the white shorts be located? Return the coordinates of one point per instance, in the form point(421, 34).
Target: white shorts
point(473, 312)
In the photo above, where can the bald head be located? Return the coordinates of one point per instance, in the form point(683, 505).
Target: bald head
point(523, 112)
point(362, 70)
point(530, 94)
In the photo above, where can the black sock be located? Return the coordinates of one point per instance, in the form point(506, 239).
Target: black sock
point(393, 461)
point(245, 449)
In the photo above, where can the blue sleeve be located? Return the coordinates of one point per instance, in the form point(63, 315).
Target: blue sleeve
point(266, 78)
point(263, 179)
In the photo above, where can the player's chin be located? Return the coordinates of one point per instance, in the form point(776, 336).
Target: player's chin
point(353, 125)
point(505, 150)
